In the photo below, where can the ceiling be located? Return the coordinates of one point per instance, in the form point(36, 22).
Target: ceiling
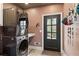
point(32, 5)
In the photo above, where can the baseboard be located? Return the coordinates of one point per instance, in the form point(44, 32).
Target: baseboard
point(35, 47)
point(63, 53)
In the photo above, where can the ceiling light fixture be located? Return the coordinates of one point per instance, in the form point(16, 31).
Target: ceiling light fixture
point(26, 3)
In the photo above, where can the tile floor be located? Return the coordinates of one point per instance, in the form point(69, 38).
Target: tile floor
point(35, 52)
point(51, 53)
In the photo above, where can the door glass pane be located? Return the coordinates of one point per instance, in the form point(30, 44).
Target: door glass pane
point(21, 22)
point(53, 28)
point(48, 28)
point(48, 35)
point(24, 22)
point(53, 21)
point(48, 21)
point(53, 35)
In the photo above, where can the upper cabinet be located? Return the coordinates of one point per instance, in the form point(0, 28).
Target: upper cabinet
point(9, 17)
point(10, 14)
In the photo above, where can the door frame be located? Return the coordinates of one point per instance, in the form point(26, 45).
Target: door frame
point(61, 42)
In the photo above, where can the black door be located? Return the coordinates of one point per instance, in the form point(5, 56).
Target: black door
point(52, 32)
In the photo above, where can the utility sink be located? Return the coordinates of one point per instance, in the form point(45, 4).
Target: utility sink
point(31, 34)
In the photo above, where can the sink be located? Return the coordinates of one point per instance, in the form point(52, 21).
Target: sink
point(31, 34)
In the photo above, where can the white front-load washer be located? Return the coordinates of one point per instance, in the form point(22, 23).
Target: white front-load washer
point(21, 45)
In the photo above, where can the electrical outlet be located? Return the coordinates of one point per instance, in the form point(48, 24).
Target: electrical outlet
point(40, 30)
point(36, 43)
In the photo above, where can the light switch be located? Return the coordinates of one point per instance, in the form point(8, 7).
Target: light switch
point(40, 30)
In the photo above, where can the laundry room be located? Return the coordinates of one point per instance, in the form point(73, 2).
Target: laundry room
point(39, 29)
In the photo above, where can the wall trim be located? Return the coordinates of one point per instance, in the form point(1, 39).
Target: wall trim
point(43, 29)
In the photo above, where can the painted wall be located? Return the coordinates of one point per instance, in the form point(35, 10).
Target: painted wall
point(73, 47)
point(35, 17)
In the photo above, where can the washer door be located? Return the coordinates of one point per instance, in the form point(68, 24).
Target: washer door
point(23, 47)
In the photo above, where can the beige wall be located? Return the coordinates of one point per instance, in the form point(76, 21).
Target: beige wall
point(35, 16)
point(67, 6)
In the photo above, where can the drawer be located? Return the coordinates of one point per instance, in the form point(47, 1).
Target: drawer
point(1, 52)
point(0, 45)
point(0, 42)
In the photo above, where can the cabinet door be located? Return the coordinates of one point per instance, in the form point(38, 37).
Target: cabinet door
point(1, 41)
point(1, 45)
point(9, 17)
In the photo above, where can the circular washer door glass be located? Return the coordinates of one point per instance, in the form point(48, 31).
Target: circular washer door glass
point(23, 46)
